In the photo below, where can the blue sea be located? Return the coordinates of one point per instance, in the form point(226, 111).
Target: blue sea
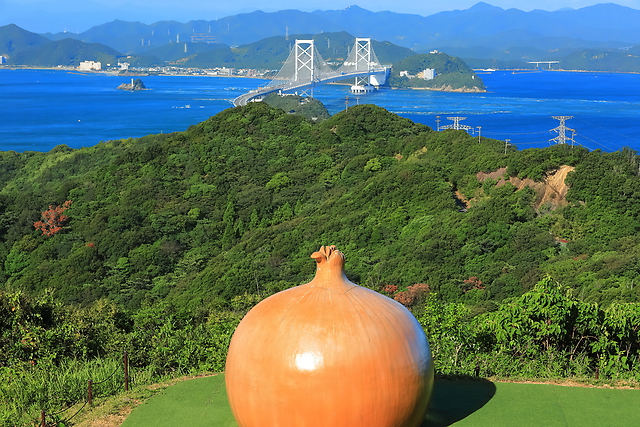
point(40, 109)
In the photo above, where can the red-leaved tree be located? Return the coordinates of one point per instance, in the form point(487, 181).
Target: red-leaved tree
point(390, 289)
point(53, 219)
point(411, 296)
point(471, 283)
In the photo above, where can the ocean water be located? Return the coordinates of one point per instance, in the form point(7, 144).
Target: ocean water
point(40, 109)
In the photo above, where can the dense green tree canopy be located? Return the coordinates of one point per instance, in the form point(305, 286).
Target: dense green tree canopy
point(238, 202)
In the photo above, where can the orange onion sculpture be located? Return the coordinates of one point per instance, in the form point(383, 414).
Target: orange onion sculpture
point(329, 354)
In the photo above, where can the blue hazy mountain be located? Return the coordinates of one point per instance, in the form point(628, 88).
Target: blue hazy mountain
point(70, 52)
point(600, 26)
point(609, 23)
point(232, 30)
point(482, 32)
point(268, 53)
point(14, 39)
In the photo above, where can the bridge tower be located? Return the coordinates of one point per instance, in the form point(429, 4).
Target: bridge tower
point(305, 66)
point(362, 58)
point(362, 48)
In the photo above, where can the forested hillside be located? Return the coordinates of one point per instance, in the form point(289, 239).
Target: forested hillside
point(66, 52)
point(14, 39)
point(24, 48)
point(158, 245)
point(451, 73)
point(236, 204)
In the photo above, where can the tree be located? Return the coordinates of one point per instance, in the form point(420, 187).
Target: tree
point(453, 337)
point(53, 219)
point(411, 296)
point(472, 283)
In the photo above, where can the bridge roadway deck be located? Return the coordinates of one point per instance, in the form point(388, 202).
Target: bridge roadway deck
point(288, 87)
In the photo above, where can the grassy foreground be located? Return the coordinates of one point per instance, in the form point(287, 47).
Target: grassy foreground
point(203, 402)
point(508, 404)
point(194, 403)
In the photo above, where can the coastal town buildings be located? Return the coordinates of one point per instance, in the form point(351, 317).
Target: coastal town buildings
point(90, 66)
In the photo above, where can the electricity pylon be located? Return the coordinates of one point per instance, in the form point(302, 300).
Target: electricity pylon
point(562, 137)
point(456, 124)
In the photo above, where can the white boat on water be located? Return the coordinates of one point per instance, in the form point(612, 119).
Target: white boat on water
point(362, 88)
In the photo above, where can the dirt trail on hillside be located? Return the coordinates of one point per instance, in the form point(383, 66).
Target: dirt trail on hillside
point(551, 191)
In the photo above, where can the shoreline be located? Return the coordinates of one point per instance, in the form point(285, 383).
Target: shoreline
point(435, 89)
point(539, 70)
point(72, 70)
point(116, 73)
point(187, 74)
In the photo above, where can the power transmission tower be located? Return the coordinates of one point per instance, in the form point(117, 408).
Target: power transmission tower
point(456, 124)
point(562, 137)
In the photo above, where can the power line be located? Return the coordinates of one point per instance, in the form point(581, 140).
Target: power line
point(596, 142)
point(514, 133)
point(561, 129)
point(531, 143)
point(608, 130)
point(612, 146)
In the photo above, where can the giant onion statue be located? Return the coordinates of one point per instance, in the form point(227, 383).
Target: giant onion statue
point(329, 354)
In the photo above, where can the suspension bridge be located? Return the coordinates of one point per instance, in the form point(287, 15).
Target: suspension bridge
point(305, 69)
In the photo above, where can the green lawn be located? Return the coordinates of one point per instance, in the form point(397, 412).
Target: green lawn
point(203, 402)
point(470, 403)
point(193, 403)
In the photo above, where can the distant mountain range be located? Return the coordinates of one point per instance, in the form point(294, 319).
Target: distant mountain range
point(25, 48)
point(600, 26)
point(22, 47)
point(482, 35)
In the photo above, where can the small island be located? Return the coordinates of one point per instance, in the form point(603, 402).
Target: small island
point(310, 108)
point(435, 71)
point(134, 85)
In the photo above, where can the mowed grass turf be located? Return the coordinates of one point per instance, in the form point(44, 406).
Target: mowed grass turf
point(517, 404)
point(193, 403)
point(203, 402)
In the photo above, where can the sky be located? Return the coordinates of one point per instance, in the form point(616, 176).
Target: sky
point(79, 15)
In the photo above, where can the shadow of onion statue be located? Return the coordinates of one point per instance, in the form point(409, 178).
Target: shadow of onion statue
point(329, 353)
